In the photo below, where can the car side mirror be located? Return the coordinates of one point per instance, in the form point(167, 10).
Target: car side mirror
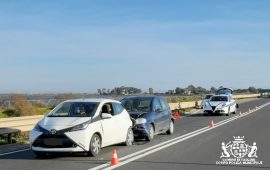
point(158, 110)
point(106, 116)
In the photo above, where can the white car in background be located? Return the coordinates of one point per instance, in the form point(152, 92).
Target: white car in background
point(82, 125)
point(221, 103)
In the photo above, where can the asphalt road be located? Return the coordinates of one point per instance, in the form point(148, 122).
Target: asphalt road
point(188, 150)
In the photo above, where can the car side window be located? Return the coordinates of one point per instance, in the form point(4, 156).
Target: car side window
point(156, 105)
point(118, 108)
point(107, 108)
point(163, 104)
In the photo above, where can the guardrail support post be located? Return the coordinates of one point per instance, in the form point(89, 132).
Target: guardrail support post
point(9, 138)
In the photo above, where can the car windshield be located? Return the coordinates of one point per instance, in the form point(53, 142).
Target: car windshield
point(218, 98)
point(74, 109)
point(137, 104)
point(208, 96)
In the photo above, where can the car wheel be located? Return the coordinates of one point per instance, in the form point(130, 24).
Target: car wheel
point(40, 154)
point(130, 137)
point(171, 129)
point(151, 133)
point(95, 145)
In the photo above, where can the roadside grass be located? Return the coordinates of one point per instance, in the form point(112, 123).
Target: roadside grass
point(40, 111)
point(183, 99)
point(3, 115)
point(43, 110)
point(183, 112)
point(20, 138)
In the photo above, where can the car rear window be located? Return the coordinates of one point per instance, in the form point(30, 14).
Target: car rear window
point(137, 104)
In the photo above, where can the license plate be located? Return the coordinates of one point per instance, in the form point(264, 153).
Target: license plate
point(53, 142)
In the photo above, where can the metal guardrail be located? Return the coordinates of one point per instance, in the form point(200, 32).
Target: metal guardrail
point(25, 123)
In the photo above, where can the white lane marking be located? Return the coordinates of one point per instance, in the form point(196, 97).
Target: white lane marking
point(147, 149)
point(8, 153)
point(171, 142)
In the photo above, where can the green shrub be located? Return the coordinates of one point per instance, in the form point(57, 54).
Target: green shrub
point(11, 112)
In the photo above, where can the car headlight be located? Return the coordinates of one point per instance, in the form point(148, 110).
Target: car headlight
point(223, 105)
point(140, 121)
point(80, 126)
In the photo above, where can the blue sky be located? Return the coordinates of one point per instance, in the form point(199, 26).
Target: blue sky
point(80, 46)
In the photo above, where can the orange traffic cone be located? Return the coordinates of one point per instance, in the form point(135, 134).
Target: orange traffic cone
point(176, 115)
point(212, 125)
point(114, 160)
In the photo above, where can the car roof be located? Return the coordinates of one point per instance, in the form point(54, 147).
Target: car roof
point(94, 100)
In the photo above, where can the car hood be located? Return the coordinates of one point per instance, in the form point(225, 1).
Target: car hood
point(216, 103)
point(136, 115)
point(62, 122)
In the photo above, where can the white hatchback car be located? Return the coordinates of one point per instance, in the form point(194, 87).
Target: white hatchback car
point(82, 125)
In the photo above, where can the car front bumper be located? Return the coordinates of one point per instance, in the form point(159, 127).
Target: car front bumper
point(218, 111)
point(140, 131)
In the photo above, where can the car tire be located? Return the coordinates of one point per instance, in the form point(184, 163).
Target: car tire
point(151, 133)
point(130, 138)
point(171, 129)
point(40, 154)
point(95, 145)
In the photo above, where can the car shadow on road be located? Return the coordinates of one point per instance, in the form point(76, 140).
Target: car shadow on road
point(204, 115)
point(59, 157)
point(202, 164)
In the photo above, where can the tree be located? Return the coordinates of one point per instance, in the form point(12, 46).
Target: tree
point(252, 89)
point(200, 90)
point(191, 88)
point(213, 90)
point(22, 106)
point(179, 90)
point(99, 91)
point(103, 91)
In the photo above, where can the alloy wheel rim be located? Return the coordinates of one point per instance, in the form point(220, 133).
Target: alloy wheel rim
point(96, 145)
point(171, 128)
point(151, 132)
point(130, 137)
